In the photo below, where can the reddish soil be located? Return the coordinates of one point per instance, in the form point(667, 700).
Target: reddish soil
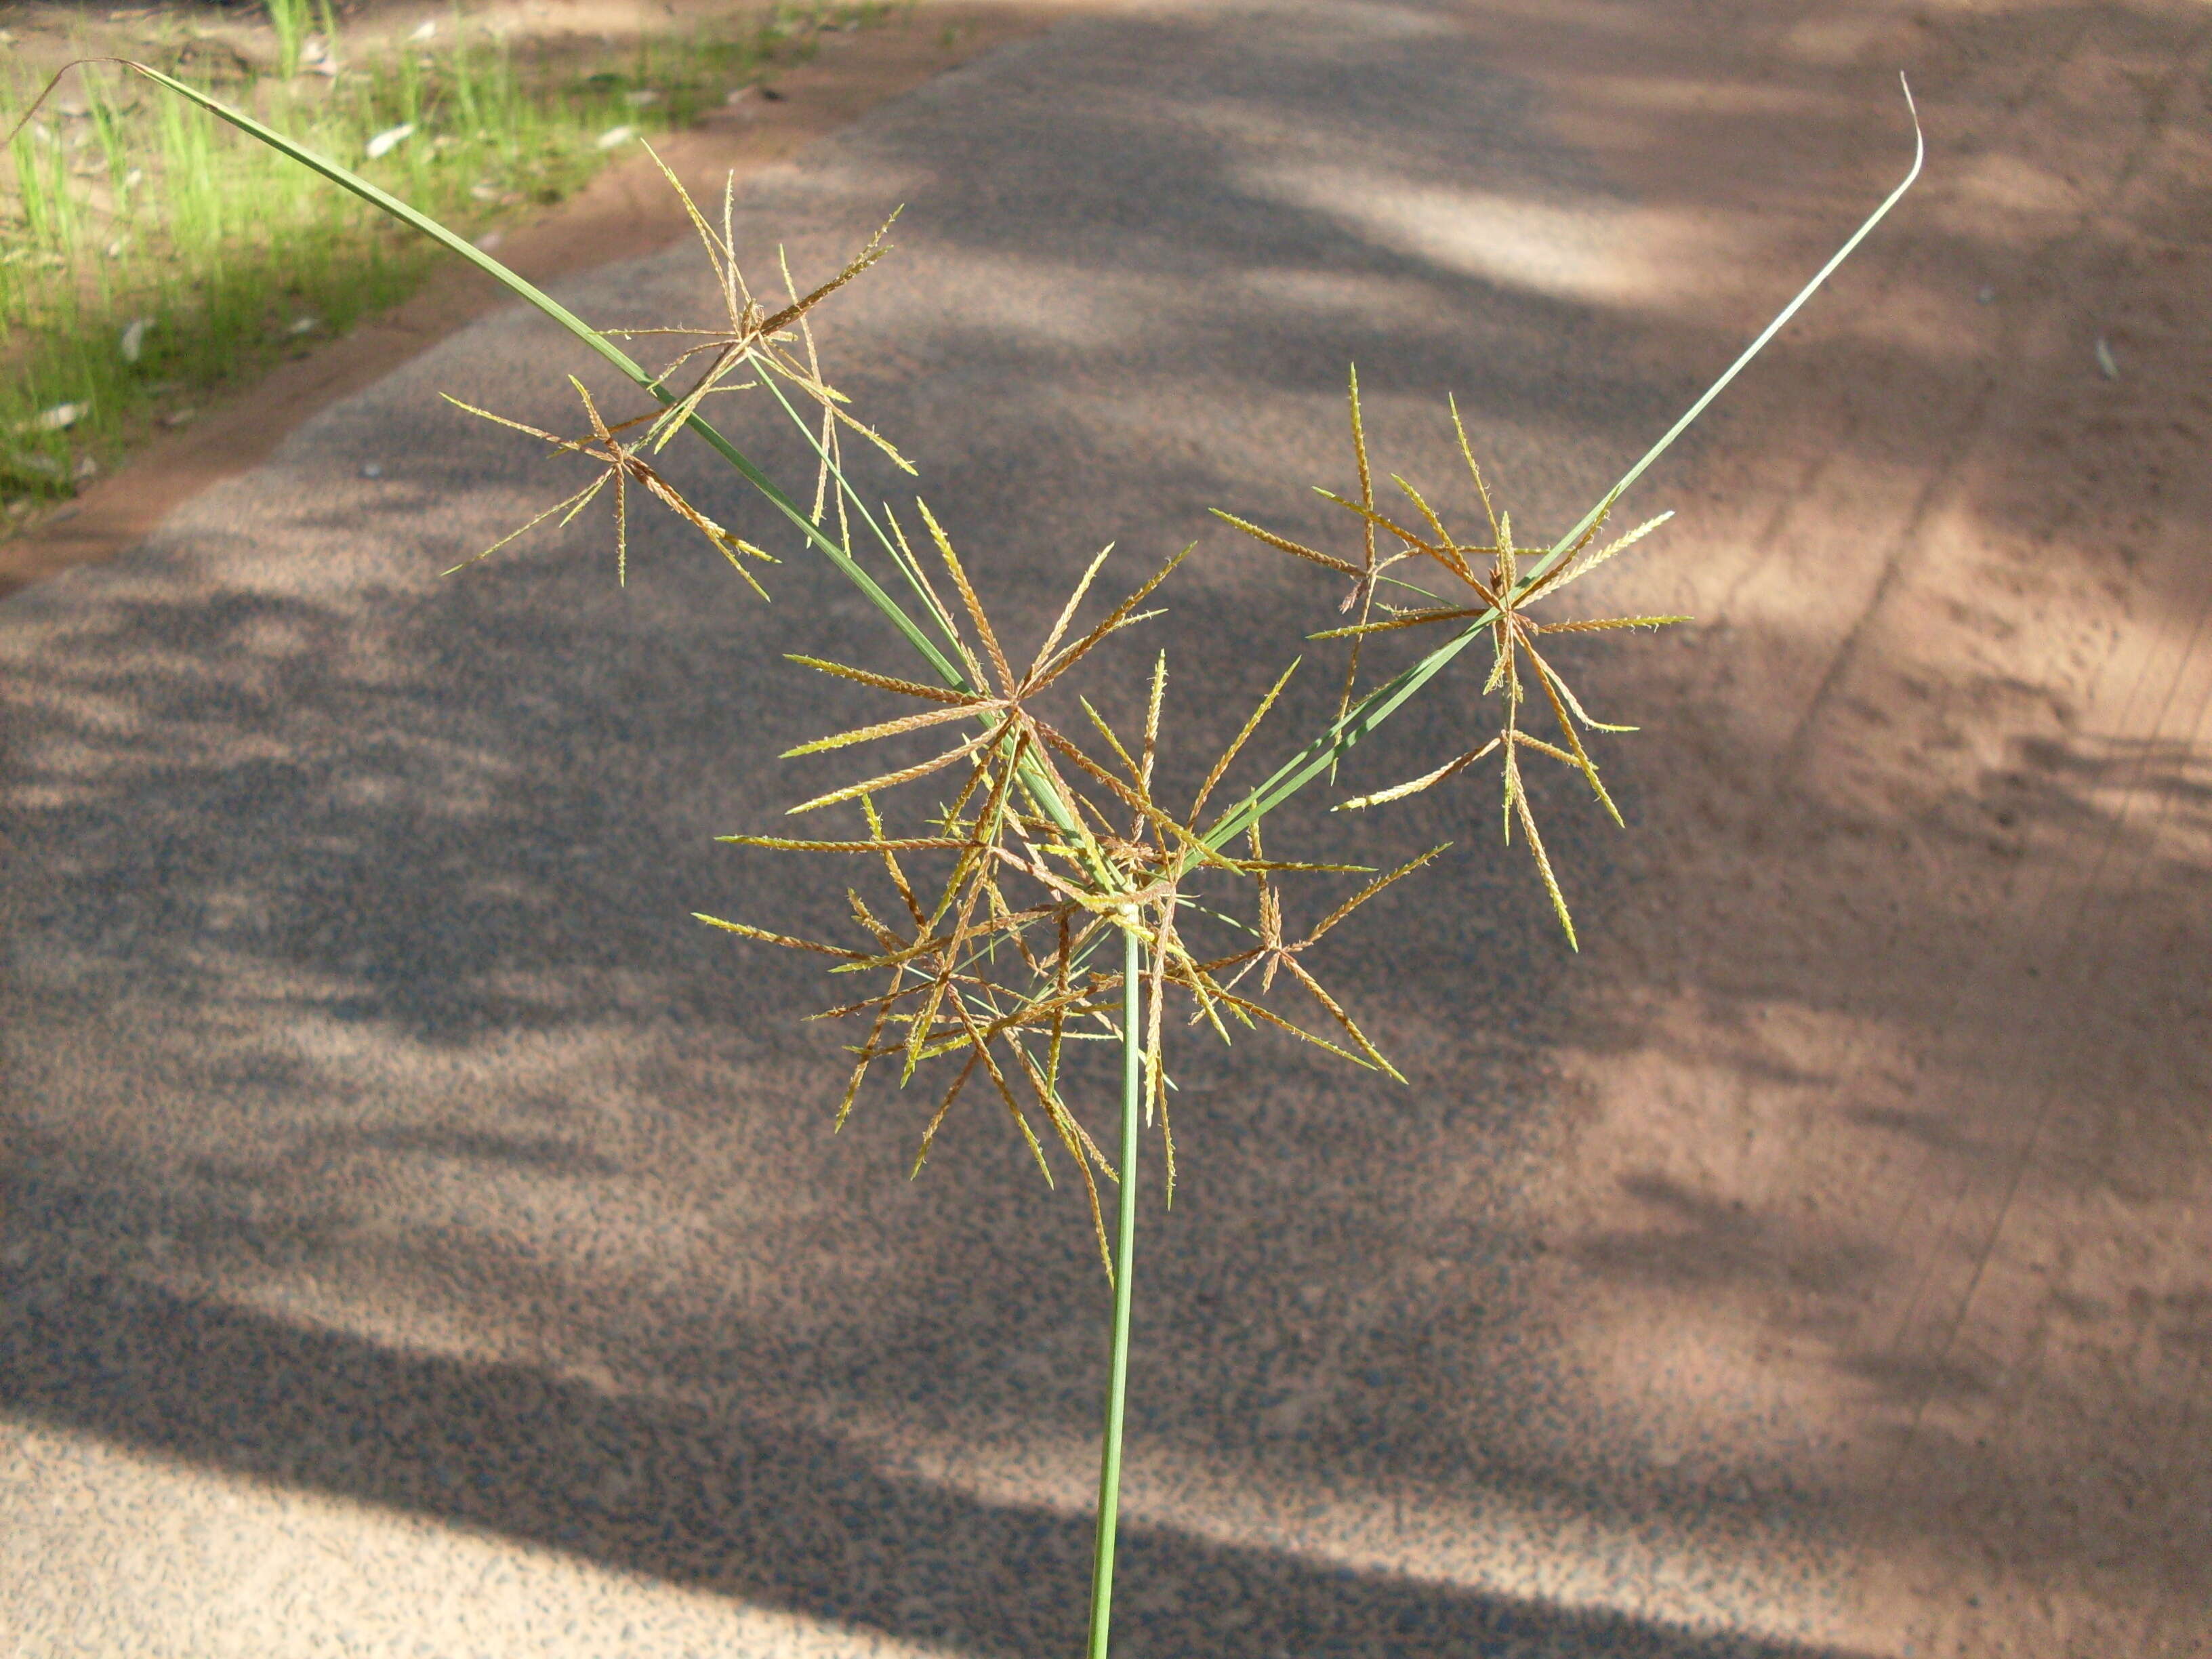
point(1906, 1106)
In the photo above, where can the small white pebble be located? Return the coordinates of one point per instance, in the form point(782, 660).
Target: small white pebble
point(59, 418)
point(1985, 295)
point(391, 138)
point(133, 343)
point(2106, 361)
point(425, 30)
point(489, 240)
point(372, 469)
point(614, 136)
point(306, 324)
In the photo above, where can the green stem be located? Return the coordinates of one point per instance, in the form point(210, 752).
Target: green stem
point(1322, 754)
point(1319, 756)
point(1125, 1267)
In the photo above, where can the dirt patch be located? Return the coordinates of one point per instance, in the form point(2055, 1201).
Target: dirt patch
point(627, 210)
point(1901, 1110)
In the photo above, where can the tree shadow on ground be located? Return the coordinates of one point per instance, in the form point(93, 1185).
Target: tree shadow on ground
point(773, 1512)
point(362, 899)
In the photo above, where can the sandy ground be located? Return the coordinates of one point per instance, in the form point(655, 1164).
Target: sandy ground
point(404, 1202)
point(1902, 1097)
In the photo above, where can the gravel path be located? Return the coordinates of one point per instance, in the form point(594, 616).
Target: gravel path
point(420, 1238)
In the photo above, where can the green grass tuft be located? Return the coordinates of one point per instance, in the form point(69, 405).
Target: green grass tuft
point(150, 255)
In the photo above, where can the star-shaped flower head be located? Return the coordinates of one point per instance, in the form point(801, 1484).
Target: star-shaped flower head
point(1167, 854)
point(942, 996)
point(942, 991)
point(753, 339)
point(1271, 952)
point(1492, 572)
point(1049, 852)
point(625, 463)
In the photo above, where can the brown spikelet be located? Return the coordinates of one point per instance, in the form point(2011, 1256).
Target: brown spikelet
point(1498, 599)
point(982, 962)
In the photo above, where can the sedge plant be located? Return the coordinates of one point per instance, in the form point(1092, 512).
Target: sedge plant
point(150, 255)
point(1032, 888)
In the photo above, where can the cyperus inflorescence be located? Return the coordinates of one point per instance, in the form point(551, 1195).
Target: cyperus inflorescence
point(752, 339)
point(1045, 850)
point(1492, 572)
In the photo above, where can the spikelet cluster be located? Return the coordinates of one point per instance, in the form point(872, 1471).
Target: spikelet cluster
point(755, 347)
point(987, 958)
point(1499, 596)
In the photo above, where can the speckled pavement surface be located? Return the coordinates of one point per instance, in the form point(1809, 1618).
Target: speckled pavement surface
point(420, 1238)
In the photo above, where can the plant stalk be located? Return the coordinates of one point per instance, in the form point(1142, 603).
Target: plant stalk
point(1321, 755)
point(1125, 1267)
